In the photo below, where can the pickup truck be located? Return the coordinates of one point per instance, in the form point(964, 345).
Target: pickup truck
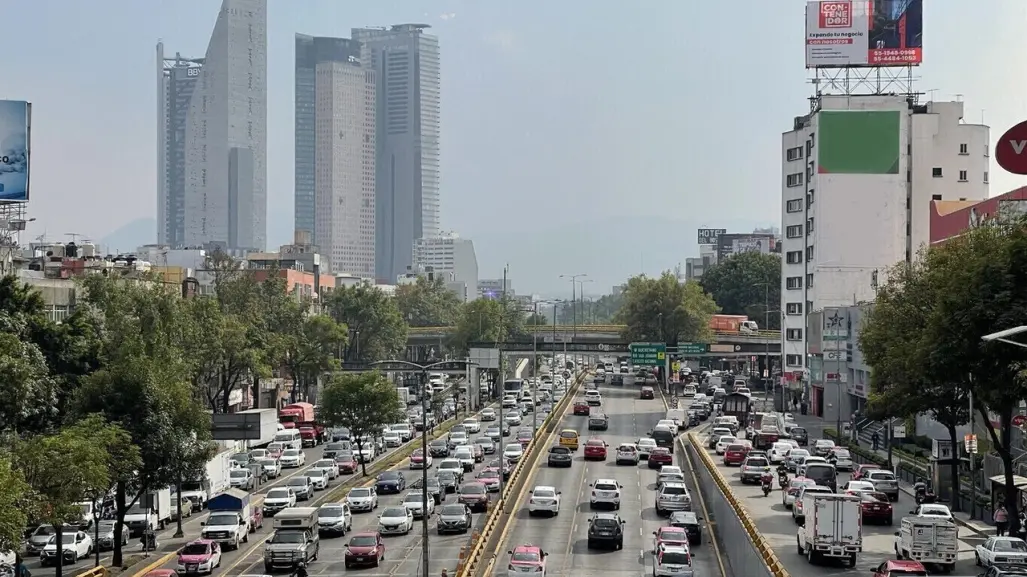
point(232, 518)
point(931, 541)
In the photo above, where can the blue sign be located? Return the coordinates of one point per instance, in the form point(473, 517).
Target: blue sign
point(15, 122)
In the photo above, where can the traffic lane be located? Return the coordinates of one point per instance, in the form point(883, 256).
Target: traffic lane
point(776, 524)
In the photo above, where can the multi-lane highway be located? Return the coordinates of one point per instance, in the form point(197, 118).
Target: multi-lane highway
point(564, 536)
point(776, 524)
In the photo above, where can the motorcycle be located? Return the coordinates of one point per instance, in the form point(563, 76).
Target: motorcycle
point(923, 493)
point(782, 479)
point(767, 483)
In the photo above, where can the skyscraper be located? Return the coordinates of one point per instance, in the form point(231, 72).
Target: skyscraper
point(335, 152)
point(225, 198)
point(176, 80)
point(406, 64)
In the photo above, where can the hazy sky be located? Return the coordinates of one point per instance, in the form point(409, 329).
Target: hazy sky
point(556, 115)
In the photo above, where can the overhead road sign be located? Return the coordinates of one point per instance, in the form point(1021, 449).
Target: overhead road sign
point(691, 349)
point(648, 354)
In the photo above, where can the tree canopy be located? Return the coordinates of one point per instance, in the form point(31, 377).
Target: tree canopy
point(665, 310)
point(362, 403)
point(428, 303)
point(747, 283)
point(586, 311)
point(375, 324)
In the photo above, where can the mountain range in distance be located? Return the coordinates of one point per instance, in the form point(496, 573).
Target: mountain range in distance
point(608, 250)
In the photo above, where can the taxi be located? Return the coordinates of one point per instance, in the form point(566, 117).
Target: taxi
point(569, 439)
point(669, 537)
point(199, 556)
point(595, 449)
point(581, 408)
point(527, 560)
point(905, 567)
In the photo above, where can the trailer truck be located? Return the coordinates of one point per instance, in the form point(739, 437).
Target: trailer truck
point(831, 528)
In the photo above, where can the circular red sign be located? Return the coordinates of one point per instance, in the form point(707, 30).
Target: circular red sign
point(1019, 420)
point(1011, 149)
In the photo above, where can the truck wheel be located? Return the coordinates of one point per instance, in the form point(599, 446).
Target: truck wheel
point(852, 560)
point(798, 547)
point(246, 538)
point(161, 524)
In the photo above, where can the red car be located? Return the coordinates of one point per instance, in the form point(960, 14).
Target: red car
point(347, 464)
point(876, 507)
point(647, 393)
point(734, 455)
point(595, 449)
point(659, 457)
point(524, 438)
point(906, 568)
point(671, 537)
point(365, 549)
point(861, 470)
point(581, 408)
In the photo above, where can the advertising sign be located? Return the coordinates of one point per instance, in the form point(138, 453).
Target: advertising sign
point(709, 235)
point(866, 33)
point(15, 122)
point(1009, 150)
point(750, 244)
point(949, 219)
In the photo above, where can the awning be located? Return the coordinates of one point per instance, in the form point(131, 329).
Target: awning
point(1018, 481)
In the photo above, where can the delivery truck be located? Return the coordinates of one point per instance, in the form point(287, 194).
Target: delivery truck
point(216, 479)
point(931, 541)
point(260, 423)
point(151, 511)
point(831, 528)
point(290, 415)
point(733, 324)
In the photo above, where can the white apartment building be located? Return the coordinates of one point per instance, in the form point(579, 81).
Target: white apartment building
point(344, 165)
point(857, 179)
point(451, 256)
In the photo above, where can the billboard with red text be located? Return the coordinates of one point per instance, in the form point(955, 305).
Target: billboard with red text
point(864, 33)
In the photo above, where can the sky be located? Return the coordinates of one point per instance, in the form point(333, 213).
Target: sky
point(581, 136)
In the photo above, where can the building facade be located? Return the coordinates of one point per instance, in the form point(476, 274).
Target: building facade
point(176, 81)
point(225, 196)
point(858, 176)
point(493, 288)
point(406, 63)
point(450, 256)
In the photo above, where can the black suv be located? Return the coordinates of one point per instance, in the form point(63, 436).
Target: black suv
point(606, 530)
point(560, 456)
point(688, 521)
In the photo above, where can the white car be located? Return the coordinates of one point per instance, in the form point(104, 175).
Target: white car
point(406, 432)
point(512, 419)
point(823, 447)
point(841, 459)
point(392, 439)
point(362, 499)
point(1001, 550)
point(366, 454)
point(329, 466)
point(414, 502)
point(801, 471)
point(318, 478)
point(465, 454)
point(670, 474)
point(74, 545)
point(788, 495)
point(794, 458)
point(627, 454)
point(277, 499)
point(488, 414)
point(673, 562)
point(544, 499)
point(472, 425)
point(723, 442)
point(803, 498)
point(645, 447)
point(457, 438)
point(933, 511)
point(292, 458)
point(777, 452)
point(859, 486)
point(395, 521)
point(513, 452)
point(605, 492)
point(452, 465)
point(334, 518)
point(272, 468)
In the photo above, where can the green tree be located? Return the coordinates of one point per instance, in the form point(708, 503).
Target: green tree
point(665, 310)
point(16, 501)
point(27, 393)
point(122, 456)
point(376, 328)
point(590, 312)
point(428, 303)
point(536, 320)
point(313, 350)
point(747, 283)
point(82, 471)
point(362, 403)
point(481, 321)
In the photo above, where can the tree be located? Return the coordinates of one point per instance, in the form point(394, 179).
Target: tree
point(481, 321)
point(665, 310)
point(747, 283)
point(15, 503)
point(590, 312)
point(536, 320)
point(428, 303)
point(61, 469)
point(312, 351)
point(375, 325)
point(28, 395)
point(362, 403)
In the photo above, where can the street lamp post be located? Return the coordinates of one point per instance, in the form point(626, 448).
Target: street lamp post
point(574, 310)
point(424, 446)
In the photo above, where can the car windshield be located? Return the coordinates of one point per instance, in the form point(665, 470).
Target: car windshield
point(239, 473)
point(513, 448)
point(842, 453)
point(675, 558)
point(756, 463)
point(220, 519)
point(452, 510)
point(437, 443)
point(413, 498)
point(875, 498)
point(196, 549)
point(360, 493)
point(389, 476)
point(330, 512)
point(526, 556)
point(935, 510)
point(472, 489)
point(68, 538)
point(278, 494)
point(363, 541)
point(568, 435)
point(290, 537)
point(1010, 545)
point(595, 444)
point(794, 453)
point(544, 493)
point(297, 482)
point(797, 431)
point(881, 476)
point(447, 475)
point(394, 512)
point(489, 474)
point(325, 464)
point(106, 526)
point(605, 523)
point(671, 490)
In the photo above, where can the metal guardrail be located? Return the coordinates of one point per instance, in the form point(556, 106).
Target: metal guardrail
point(597, 329)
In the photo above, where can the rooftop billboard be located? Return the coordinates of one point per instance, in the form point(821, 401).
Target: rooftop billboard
point(15, 123)
point(859, 141)
point(709, 235)
point(950, 218)
point(864, 33)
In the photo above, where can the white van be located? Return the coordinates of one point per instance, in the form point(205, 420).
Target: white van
point(679, 417)
point(289, 438)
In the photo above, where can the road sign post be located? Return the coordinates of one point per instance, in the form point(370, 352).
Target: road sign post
point(648, 354)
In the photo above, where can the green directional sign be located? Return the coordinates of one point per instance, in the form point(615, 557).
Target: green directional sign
point(692, 348)
point(648, 354)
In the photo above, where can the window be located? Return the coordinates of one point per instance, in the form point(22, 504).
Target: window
point(985, 177)
point(793, 282)
point(793, 360)
point(794, 153)
point(793, 308)
point(793, 257)
point(794, 231)
point(809, 226)
point(809, 280)
point(809, 253)
point(794, 179)
point(934, 197)
point(794, 334)
point(962, 176)
point(936, 172)
point(964, 149)
point(794, 205)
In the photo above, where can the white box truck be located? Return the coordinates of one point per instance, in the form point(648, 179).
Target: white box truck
point(216, 480)
point(928, 540)
point(151, 510)
point(832, 527)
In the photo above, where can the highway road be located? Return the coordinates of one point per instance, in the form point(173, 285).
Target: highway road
point(564, 537)
point(775, 523)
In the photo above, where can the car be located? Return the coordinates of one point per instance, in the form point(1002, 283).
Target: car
point(753, 469)
point(876, 506)
point(606, 530)
point(390, 483)
point(488, 446)
point(863, 469)
point(735, 454)
point(799, 435)
point(472, 425)
point(75, 545)
point(569, 438)
point(560, 456)
point(334, 519)
point(581, 408)
point(777, 452)
point(627, 454)
point(495, 433)
point(823, 447)
point(855, 487)
point(906, 568)
point(933, 511)
point(672, 562)
point(329, 466)
point(598, 422)
point(527, 559)
point(449, 480)
point(105, 534)
point(513, 452)
point(454, 518)
point(330, 451)
point(272, 469)
point(796, 457)
point(884, 482)
point(1001, 550)
point(302, 486)
point(418, 460)
point(593, 398)
point(406, 432)
point(278, 498)
point(715, 435)
point(659, 457)
point(474, 495)
point(792, 491)
point(365, 549)
point(392, 439)
point(691, 523)
point(318, 478)
point(456, 439)
point(488, 414)
point(723, 443)
point(645, 446)
point(803, 500)
point(669, 536)
point(347, 463)
point(491, 477)
point(415, 501)
point(465, 454)
point(841, 459)
point(812, 459)
point(199, 556)
point(544, 499)
point(646, 393)
point(673, 496)
point(605, 492)
point(595, 449)
point(292, 459)
point(524, 437)
point(395, 521)
point(512, 419)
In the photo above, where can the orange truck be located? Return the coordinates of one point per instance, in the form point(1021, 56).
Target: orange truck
point(290, 415)
point(732, 324)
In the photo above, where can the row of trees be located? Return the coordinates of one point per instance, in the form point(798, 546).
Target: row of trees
point(747, 283)
point(923, 338)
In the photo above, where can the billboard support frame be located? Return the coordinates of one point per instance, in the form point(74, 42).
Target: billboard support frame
point(862, 80)
point(12, 223)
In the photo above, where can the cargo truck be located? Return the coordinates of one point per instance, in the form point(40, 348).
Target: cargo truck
point(831, 528)
point(260, 423)
point(232, 518)
point(151, 511)
point(931, 541)
point(290, 415)
point(733, 324)
point(216, 479)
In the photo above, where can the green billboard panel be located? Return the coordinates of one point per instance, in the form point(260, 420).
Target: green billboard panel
point(858, 142)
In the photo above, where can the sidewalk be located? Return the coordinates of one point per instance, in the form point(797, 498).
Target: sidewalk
point(816, 425)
